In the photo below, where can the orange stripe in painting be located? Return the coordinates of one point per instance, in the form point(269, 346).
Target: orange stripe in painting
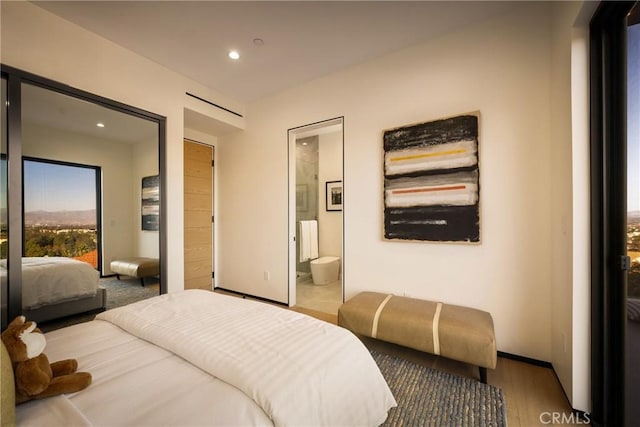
point(421, 156)
point(428, 190)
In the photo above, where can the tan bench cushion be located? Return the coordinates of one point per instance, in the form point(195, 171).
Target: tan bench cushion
point(136, 267)
point(462, 333)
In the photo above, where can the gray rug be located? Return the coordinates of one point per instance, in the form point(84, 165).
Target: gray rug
point(126, 291)
point(119, 293)
point(428, 397)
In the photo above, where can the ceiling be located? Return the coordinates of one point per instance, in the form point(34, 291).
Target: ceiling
point(302, 40)
point(51, 109)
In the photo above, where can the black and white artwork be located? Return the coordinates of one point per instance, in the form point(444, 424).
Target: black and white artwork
point(151, 203)
point(431, 181)
point(334, 195)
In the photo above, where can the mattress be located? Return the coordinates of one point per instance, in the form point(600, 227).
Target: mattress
point(199, 358)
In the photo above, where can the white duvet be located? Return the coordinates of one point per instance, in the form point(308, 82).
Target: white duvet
point(299, 370)
point(135, 383)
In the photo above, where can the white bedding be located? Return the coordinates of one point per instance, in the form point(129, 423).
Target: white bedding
point(135, 383)
point(266, 365)
point(47, 280)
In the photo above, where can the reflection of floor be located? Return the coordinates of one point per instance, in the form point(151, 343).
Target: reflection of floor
point(324, 298)
point(119, 293)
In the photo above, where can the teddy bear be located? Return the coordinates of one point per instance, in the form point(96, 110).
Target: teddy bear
point(35, 377)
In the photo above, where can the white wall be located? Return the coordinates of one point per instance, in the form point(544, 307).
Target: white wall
point(570, 260)
point(501, 68)
point(329, 169)
point(580, 392)
point(560, 193)
point(37, 41)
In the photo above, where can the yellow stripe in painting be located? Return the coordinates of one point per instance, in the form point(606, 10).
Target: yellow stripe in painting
point(421, 156)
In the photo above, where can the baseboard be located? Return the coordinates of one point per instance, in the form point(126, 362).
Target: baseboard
point(243, 295)
point(525, 359)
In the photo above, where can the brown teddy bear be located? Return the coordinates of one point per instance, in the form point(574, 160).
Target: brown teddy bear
point(35, 377)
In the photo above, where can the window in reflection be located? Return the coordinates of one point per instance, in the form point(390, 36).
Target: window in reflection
point(61, 210)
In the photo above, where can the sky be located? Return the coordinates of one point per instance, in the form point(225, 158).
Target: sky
point(633, 119)
point(53, 187)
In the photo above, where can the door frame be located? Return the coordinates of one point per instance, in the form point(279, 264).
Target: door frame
point(214, 202)
point(608, 60)
point(292, 133)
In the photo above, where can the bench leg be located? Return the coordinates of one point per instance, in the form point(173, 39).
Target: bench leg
point(117, 276)
point(483, 375)
point(142, 281)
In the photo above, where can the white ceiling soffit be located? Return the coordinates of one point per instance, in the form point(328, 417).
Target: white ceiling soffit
point(207, 124)
point(302, 40)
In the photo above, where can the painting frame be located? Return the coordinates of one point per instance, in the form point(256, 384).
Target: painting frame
point(432, 181)
point(333, 196)
point(150, 203)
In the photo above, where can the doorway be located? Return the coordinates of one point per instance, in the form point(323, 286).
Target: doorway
point(614, 199)
point(316, 216)
point(198, 216)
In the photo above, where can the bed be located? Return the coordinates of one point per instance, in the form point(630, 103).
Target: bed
point(195, 357)
point(54, 287)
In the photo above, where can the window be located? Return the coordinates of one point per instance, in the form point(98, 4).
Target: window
point(61, 210)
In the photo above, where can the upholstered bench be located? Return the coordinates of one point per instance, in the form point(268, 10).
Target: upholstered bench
point(136, 267)
point(455, 332)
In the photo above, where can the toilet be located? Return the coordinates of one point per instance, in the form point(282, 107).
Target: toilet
point(325, 270)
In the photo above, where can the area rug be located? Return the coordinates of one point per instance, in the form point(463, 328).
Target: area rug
point(119, 293)
point(428, 397)
point(123, 292)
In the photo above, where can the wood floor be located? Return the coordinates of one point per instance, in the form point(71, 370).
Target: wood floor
point(532, 393)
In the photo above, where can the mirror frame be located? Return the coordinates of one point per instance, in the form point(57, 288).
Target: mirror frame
point(15, 78)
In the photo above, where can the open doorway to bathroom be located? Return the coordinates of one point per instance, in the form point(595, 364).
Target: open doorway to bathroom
point(316, 216)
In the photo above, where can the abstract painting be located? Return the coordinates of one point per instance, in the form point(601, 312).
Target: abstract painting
point(431, 181)
point(151, 203)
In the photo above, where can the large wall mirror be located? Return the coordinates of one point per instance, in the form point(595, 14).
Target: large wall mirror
point(88, 193)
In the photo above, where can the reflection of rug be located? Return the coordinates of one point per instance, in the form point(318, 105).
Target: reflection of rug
point(127, 291)
point(119, 293)
point(427, 397)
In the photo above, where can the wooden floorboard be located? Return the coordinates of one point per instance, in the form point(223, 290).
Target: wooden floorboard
point(532, 393)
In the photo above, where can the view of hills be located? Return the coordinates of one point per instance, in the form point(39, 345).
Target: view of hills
point(633, 216)
point(76, 218)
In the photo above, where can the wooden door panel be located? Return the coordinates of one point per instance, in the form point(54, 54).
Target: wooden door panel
point(198, 211)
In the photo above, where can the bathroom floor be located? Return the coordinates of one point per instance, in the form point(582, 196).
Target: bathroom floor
point(323, 298)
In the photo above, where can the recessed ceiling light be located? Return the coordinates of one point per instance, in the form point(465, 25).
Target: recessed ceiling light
point(258, 42)
point(233, 54)
point(100, 125)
